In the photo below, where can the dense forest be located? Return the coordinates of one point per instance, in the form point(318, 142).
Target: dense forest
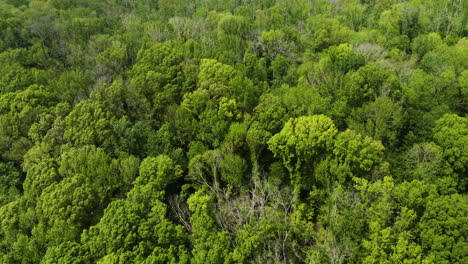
point(234, 131)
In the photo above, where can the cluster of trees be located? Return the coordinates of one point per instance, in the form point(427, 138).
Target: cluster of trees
point(222, 131)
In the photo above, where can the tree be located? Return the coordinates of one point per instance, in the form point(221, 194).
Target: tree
point(137, 226)
point(338, 231)
point(18, 111)
point(72, 85)
point(450, 132)
point(159, 172)
point(356, 156)
point(381, 119)
point(299, 145)
point(221, 80)
point(426, 162)
point(39, 177)
point(323, 31)
point(257, 139)
point(442, 228)
point(159, 76)
point(209, 244)
point(370, 82)
point(423, 44)
point(89, 123)
point(271, 113)
point(390, 236)
point(70, 252)
point(9, 183)
point(233, 131)
point(275, 43)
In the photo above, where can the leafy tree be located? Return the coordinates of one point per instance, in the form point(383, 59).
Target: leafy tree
point(139, 221)
point(381, 119)
point(159, 76)
point(357, 156)
point(368, 83)
point(323, 31)
point(70, 252)
point(39, 177)
point(209, 245)
point(389, 237)
point(18, 111)
point(222, 80)
point(442, 228)
point(300, 142)
point(89, 123)
point(217, 131)
point(450, 132)
point(10, 179)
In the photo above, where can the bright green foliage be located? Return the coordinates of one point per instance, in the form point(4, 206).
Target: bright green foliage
point(72, 84)
point(126, 224)
point(276, 43)
point(215, 77)
point(257, 139)
point(451, 132)
point(159, 172)
point(236, 136)
point(112, 59)
point(324, 32)
point(301, 142)
point(389, 236)
point(221, 131)
point(221, 80)
point(422, 44)
point(443, 229)
point(356, 155)
point(344, 59)
point(271, 113)
point(302, 138)
point(68, 252)
point(229, 109)
point(89, 123)
point(338, 227)
point(205, 169)
point(212, 126)
point(18, 111)
point(64, 206)
point(426, 162)
point(39, 177)
point(232, 168)
point(209, 244)
point(232, 31)
point(139, 220)
point(159, 76)
point(262, 242)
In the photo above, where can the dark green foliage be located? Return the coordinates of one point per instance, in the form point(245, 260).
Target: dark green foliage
point(10, 183)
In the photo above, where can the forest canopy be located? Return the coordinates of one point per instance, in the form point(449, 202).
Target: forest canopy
point(234, 131)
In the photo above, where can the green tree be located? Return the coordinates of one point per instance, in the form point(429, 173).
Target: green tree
point(89, 123)
point(300, 144)
point(370, 82)
point(357, 156)
point(442, 228)
point(137, 226)
point(381, 119)
point(10, 183)
point(450, 132)
point(210, 245)
point(18, 111)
